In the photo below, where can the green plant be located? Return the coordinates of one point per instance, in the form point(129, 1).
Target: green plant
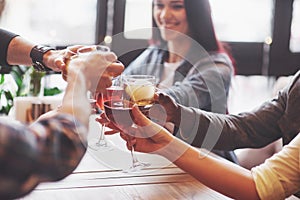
point(18, 74)
point(7, 93)
point(35, 84)
point(6, 98)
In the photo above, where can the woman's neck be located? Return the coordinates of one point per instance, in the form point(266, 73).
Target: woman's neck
point(177, 50)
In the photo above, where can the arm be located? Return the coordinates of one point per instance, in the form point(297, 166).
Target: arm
point(218, 174)
point(51, 148)
point(278, 118)
point(228, 132)
point(48, 150)
point(282, 170)
point(15, 50)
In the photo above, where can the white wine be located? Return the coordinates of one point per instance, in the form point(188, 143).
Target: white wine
point(141, 92)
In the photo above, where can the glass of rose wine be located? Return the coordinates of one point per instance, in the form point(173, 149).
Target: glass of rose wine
point(98, 143)
point(114, 92)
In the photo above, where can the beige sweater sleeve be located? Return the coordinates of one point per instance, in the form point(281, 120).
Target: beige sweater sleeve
point(279, 176)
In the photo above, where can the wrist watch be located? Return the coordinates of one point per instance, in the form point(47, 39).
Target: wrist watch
point(36, 54)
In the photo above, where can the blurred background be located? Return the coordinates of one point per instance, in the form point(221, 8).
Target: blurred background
point(264, 35)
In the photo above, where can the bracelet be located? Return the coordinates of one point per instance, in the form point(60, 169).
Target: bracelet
point(36, 54)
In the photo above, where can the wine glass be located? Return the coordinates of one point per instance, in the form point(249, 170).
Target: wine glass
point(140, 90)
point(99, 143)
point(114, 92)
point(119, 112)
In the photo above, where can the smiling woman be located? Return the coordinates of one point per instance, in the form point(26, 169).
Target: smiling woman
point(188, 60)
point(170, 15)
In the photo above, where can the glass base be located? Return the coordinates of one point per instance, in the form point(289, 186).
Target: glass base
point(100, 145)
point(137, 167)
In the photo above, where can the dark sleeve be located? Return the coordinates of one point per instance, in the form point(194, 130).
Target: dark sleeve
point(48, 150)
point(228, 132)
point(277, 118)
point(5, 38)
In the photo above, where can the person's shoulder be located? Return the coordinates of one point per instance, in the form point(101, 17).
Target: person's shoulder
point(220, 57)
point(222, 60)
point(295, 83)
point(297, 76)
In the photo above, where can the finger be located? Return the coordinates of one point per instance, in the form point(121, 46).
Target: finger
point(113, 127)
point(74, 48)
point(162, 98)
point(146, 128)
point(111, 132)
point(128, 145)
point(156, 96)
point(102, 120)
point(115, 69)
point(59, 64)
point(123, 136)
point(139, 118)
point(165, 99)
point(158, 114)
point(103, 83)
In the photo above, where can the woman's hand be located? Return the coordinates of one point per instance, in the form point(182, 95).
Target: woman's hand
point(147, 136)
point(105, 121)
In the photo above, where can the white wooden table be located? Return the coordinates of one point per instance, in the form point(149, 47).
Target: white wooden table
point(100, 176)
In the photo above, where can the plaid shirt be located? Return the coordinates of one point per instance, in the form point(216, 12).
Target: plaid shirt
point(47, 150)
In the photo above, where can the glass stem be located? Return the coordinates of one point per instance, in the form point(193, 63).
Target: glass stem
point(133, 156)
point(102, 141)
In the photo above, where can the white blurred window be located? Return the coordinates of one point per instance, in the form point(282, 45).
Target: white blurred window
point(138, 19)
point(295, 28)
point(235, 20)
point(243, 20)
point(54, 22)
point(64, 22)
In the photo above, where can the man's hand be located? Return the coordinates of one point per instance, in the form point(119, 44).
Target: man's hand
point(165, 110)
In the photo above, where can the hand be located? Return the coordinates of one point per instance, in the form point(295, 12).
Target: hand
point(166, 110)
point(57, 59)
point(147, 137)
point(105, 121)
point(97, 68)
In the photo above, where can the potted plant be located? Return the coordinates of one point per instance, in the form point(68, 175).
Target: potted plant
point(28, 83)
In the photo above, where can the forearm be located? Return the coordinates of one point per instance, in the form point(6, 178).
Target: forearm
point(229, 132)
point(66, 131)
point(216, 173)
point(75, 101)
point(19, 51)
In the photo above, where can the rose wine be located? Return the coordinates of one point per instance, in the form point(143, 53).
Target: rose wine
point(114, 93)
point(100, 100)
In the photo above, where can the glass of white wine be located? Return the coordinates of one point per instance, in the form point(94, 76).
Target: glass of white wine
point(139, 89)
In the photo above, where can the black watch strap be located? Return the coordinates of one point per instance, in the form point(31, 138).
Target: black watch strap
point(36, 54)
